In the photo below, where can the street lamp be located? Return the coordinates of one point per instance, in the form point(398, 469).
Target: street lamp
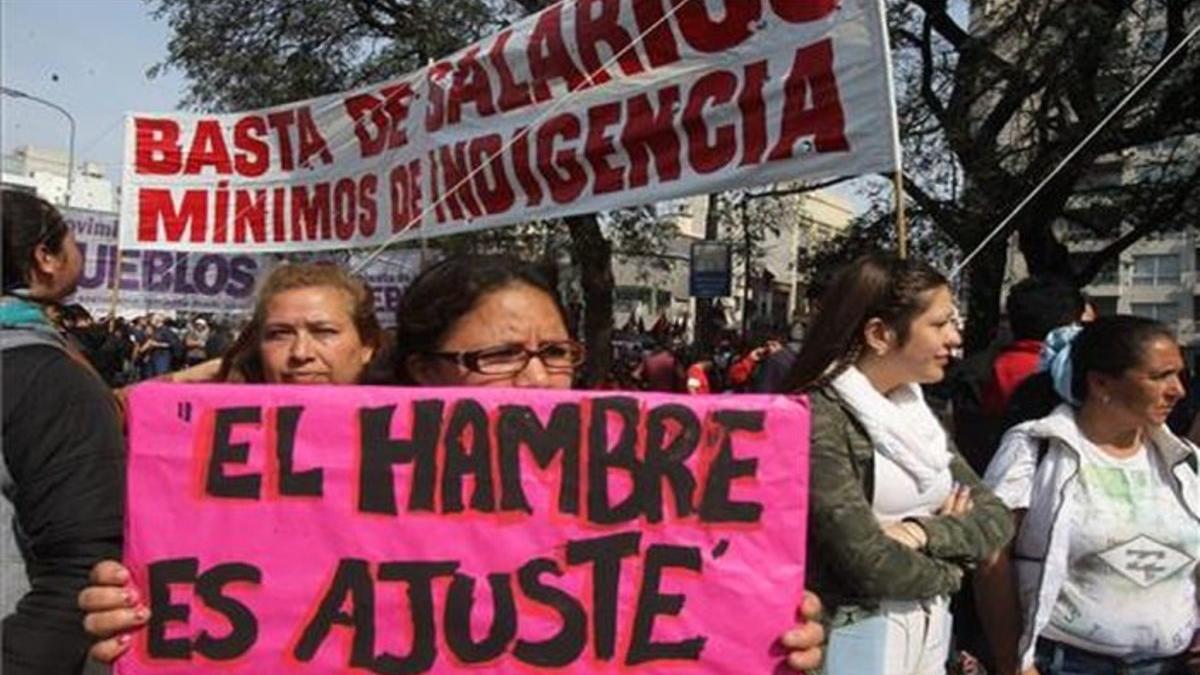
point(9, 91)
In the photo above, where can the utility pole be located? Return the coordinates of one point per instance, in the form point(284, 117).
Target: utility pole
point(706, 336)
point(745, 266)
point(9, 91)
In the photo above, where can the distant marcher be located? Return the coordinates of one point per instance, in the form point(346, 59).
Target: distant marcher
point(764, 369)
point(1035, 306)
point(154, 347)
point(700, 376)
point(104, 349)
point(775, 371)
point(219, 339)
point(660, 370)
point(195, 340)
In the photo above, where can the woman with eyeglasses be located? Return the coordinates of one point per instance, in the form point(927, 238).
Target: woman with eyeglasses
point(488, 321)
point(466, 321)
point(479, 321)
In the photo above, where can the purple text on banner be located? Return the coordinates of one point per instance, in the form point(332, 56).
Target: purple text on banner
point(383, 529)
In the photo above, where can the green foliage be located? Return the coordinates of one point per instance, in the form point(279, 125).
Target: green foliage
point(993, 95)
point(238, 55)
point(872, 232)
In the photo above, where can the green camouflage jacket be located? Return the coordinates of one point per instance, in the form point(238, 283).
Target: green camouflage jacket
point(851, 561)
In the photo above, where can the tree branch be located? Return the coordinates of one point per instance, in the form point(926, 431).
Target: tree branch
point(927, 66)
point(798, 190)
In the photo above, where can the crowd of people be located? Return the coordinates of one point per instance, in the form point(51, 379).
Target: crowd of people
point(151, 345)
point(1080, 541)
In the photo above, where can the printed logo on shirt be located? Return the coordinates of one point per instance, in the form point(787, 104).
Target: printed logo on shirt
point(1145, 561)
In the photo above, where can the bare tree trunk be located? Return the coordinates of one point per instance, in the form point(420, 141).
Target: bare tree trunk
point(986, 274)
point(593, 254)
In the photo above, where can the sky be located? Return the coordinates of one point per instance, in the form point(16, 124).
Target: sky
point(90, 57)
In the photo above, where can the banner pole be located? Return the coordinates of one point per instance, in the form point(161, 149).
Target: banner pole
point(901, 221)
point(115, 290)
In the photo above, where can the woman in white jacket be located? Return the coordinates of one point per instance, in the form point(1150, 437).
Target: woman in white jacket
point(1107, 503)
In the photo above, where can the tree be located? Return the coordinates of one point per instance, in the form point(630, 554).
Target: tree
point(991, 99)
point(240, 55)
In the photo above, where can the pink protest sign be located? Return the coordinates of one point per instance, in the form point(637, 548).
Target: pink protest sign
point(382, 529)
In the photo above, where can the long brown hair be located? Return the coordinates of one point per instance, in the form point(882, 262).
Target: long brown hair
point(874, 286)
point(243, 361)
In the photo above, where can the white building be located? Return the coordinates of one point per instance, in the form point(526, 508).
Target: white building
point(44, 172)
point(1158, 277)
point(657, 285)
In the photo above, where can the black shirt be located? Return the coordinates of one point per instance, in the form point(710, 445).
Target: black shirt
point(63, 450)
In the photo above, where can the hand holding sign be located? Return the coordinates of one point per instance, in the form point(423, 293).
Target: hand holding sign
point(114, 609)
point(560, 530)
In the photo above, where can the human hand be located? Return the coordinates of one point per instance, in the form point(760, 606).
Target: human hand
point(908, 533)
point(112, 608)
point(958, 503)
point(803, 642)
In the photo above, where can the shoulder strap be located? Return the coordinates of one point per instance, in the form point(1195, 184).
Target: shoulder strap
point(1043, 448)
point(21, 337)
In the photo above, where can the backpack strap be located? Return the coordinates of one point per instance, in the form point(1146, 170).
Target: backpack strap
point(14, 338)
point(17, 337)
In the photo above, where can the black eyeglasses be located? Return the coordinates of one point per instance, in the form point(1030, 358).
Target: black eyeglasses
point(510, 359)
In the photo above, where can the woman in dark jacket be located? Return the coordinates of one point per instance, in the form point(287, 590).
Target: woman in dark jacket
point(895, 514)
point(62, 468)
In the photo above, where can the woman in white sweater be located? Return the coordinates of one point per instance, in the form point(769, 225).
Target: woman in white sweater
point(1107, 502)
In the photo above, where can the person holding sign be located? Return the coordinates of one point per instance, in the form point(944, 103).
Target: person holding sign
point(477, 321)
point(313, 324)
point(1102, 576)
point(895, 514)
point(62, 467)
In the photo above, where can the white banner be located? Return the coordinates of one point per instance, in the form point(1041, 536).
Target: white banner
point(223, 284)
point(589, 105)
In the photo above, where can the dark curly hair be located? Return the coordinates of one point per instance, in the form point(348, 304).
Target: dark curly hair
point(444, 292)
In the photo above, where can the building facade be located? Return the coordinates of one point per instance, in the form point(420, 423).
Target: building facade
point(1159, 278)
point(766, 295)
point(44, 172)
